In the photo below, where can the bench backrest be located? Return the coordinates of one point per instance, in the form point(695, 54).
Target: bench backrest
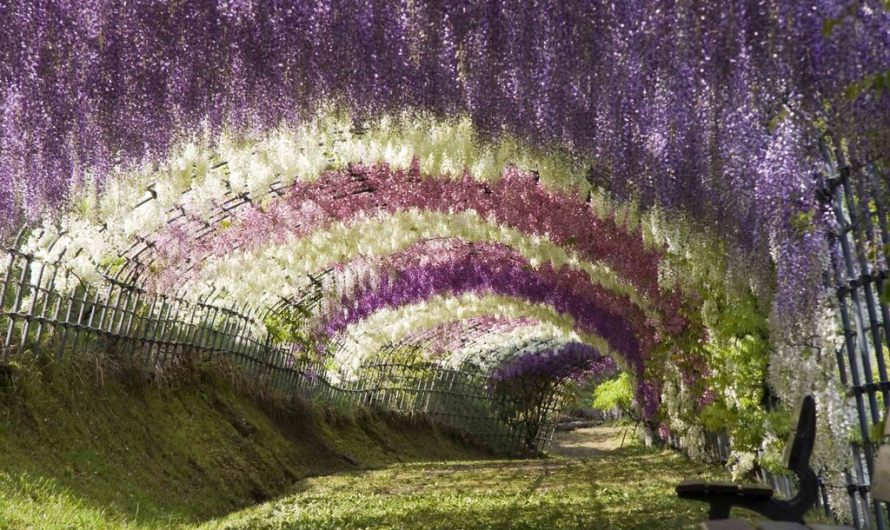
point(800, 444)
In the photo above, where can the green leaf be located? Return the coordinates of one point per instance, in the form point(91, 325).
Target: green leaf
point(803, 221)
point(777, 120)
point(876, 432)
point(878, 84)
point(853, 91)
point(614, 393)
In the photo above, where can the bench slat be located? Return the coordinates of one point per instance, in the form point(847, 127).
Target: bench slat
point(756, 490)
point(727, 524)
point(779, 525)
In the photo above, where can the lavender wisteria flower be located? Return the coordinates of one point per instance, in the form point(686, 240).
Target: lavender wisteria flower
point(571, 361)
point(88, 86)
point(461, 267)
point(683, 107)
point(515, 201)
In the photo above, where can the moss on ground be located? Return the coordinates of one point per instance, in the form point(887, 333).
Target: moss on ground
point(97, 445)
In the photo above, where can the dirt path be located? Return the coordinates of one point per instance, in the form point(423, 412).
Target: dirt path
point(589, 442)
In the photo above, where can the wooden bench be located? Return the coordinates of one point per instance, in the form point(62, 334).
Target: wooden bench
point(736, 524)
point(723, 496)
point(785, 514)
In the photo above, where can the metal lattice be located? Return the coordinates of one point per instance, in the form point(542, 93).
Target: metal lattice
point(857, 196)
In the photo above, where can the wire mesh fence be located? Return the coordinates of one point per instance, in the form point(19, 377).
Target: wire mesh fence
point(46, 309)
point(860, 244)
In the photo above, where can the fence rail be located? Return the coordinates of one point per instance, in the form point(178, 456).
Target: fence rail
point(45, 308)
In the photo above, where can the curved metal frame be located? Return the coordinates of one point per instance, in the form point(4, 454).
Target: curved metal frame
point(161, 331)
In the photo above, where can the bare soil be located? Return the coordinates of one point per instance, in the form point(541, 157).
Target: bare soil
point(590, 442)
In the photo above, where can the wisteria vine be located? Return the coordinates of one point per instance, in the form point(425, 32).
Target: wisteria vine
point(515, 123)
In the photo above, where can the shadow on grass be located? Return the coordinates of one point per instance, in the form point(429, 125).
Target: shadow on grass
point(628, 488)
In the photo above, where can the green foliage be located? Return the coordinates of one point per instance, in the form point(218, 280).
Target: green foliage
point(287, 325)
point(277, 327)
point(803, 222)
point(716, 416)
point(877, 83)
point(777, 119)
point(113, 263)
point(615, 393)
point(876, 433)
point(730, 336)
point(780, 422)
point(738, 354)
point(885, 296)
point(526, 401)
point(405, 354)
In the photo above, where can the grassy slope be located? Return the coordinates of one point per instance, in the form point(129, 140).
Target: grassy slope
point(90, 446)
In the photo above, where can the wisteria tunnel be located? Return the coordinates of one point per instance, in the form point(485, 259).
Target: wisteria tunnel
point(459, 210)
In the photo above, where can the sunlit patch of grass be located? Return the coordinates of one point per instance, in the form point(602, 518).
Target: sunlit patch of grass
point(30, 502)
point(629, 488)
point(76, 453)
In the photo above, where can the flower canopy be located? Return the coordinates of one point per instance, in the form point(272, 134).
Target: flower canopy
point(510, 186)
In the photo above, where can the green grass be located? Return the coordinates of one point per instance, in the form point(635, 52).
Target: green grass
point(94, 445)
point(629, 488)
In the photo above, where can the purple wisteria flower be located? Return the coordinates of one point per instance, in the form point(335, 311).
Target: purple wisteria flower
point(572, 361)
point(484, 268)
point(516, 201)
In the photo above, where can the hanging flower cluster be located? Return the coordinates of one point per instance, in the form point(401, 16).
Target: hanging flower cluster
point(571, 361)
point(491, 351)
point(677, 105)
point(199, 175)
point(256, 275)
point(390, 325)
point(615, 79)
point(480, 343)
point(565, 227)
point(446, 340)
point(453, 267)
